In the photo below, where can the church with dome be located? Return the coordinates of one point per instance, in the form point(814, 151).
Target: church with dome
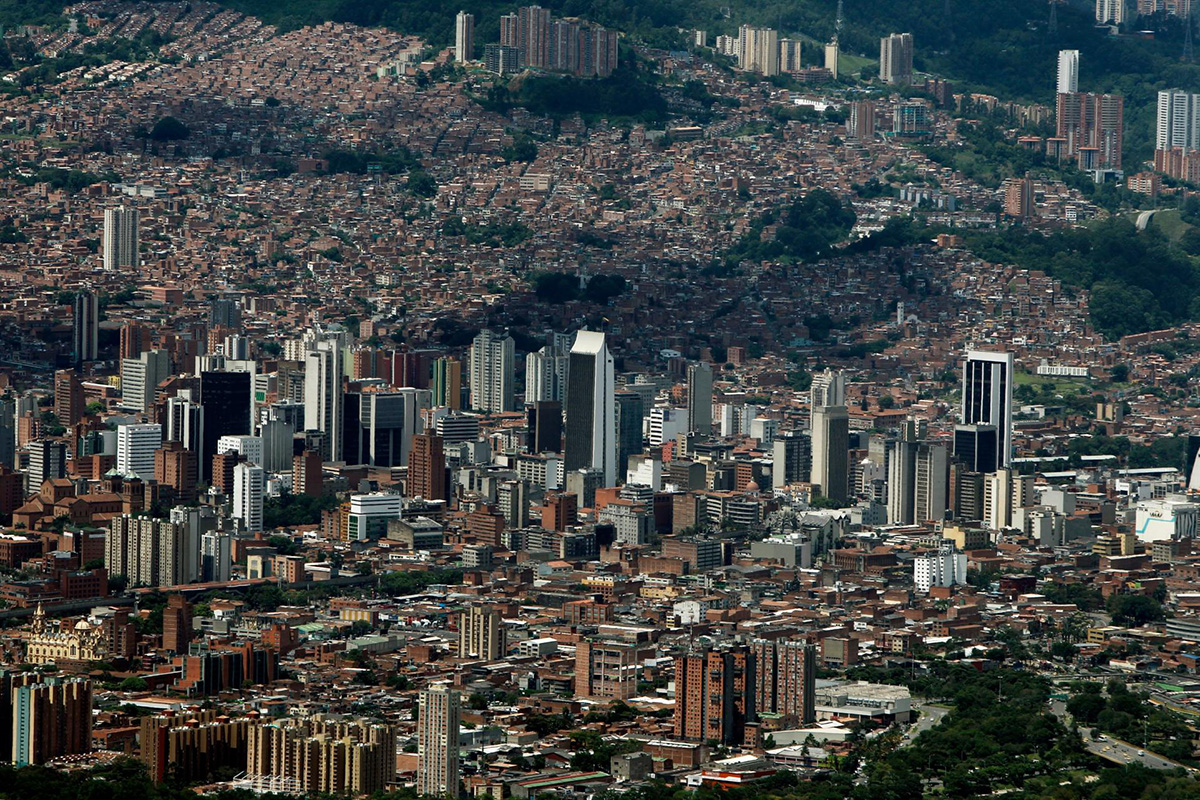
point(54, 643)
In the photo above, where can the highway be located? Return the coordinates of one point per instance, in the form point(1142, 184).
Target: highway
point(1115, 750)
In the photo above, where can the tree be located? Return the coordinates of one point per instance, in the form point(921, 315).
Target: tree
point(1134, 609)
point(169, 129)
point(133, 684)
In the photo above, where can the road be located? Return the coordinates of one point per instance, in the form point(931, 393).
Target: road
point(1115, 750)
point(1143, 219)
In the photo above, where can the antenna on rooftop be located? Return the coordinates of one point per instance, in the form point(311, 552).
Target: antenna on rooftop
point(837, 26)
point(1053, 29)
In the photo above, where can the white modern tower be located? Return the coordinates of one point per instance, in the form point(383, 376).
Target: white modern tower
point(1068, 72)
point(591, 435)
point(830, 433)
point(490, 372)
point(323, 396)
point(135, 449)
point(464, 36)
point(249, 482)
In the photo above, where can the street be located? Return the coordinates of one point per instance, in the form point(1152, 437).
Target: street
point(1112, 749)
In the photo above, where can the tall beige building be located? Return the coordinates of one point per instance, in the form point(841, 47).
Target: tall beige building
point(437, 742)
point(480, 634)
point(758, 50)
point(322, 754)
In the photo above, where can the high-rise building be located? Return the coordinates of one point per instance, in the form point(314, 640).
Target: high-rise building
point(789, 55)
point(188, 745)
point(490, 372)
point(323, 755)
point(786, 678)
point(51, 719)
point(1019, 198)
point(85, 327)
point(544, 419)
point(1003, 492)
point(590, 411)
point(630, 416)
point(791, 459)
point(438, 721)
point(185, 422)
point(533, 36)
point(135, 449)
point(931, 476)
point(758, 50)
point(1178, 120)
point(177, 471)
point(447, 383)
point(120, 238)
point(896, 59)
point(546, 375)
point(379, 426)
point(1068, 71)
point(977, 448)
point(323, 396)
point(69, 404)
point(308, 474)
point(1110, 12)
point(987, 396)
point(47, 461)
point(1092, 127)
point(225, 312)
point(481, 634)
point(700, 398)
point(833, 53)
point(134, 339)
point(151, 552)
point(830, 435)
point(249, 485)
point(861, 126)
point(225, 404)
point(177, 624)
point(715, 695)
point(140, 378)
point(216, 556)
point(607, 668)
point(501, 59)
point(427, 468)
point(945, 568)
point(464, 37)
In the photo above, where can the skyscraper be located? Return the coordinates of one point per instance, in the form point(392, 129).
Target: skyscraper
point(630, 415)
point(591, 408)
point(225, 403)
point(380, 426)
point(1178, 120)
point(715, 695)
point(427, 468)
point(51, 719)
point(1110, 12)
point(85, 327)
point(544, 419)
point(120, 238)
point(464, 37)
point(135, 449)
point(323, 396)
point(546, 374)
point(447, 383)
point(1068, 71)
point(976, 448)
point(68, 397)
point(758, 50)
point(185, 421)
point(140, 378)
point(249, 483)
point(438, 720)
point(830, 434)
point(896, 59)
point(177, 624)
point(987, 397)
point(786, 678)
point(490, 371)
point(480, 634)
point(533, 36)
point(1093, 128)
point(791, 459)
point(700, 398)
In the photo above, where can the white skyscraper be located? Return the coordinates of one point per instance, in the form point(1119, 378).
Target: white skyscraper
point(135, 449)
point(1110, 11)
point(185, 421)
point(464, 37)
point(120, 238)
point(248, 486)
point(323, 396)
point(438, 720)
point(830, 434)
point(1178, 120)
point(758, 50)
point(546, 375)
point(591, 431)
point(987, 397)
point(1068, 71)
point(490, 373)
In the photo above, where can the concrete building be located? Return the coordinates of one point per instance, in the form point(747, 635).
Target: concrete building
point(490, 372)
point(135, 449)
point(120, 238)
point(590, 409)
point(438, 724)
point(896, 59)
